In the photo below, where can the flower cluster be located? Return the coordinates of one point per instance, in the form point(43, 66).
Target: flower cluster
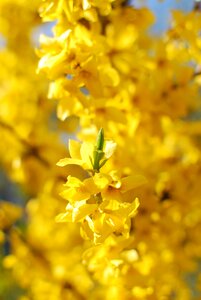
point(100, 201)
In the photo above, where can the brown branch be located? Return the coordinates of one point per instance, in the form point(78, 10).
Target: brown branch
point(11, 129)
point(125, 3)
point(198, 73)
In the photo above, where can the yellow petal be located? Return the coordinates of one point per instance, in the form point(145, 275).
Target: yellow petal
point(74, 149)
point(64, 217)
point(132, 182)
point(115, 222)
point(86, 152)
point(90, 15)
point(102, 181)
point(109, 148)
point(75, 194)
point(133, 208)
point(91, 186)
point(109, 76)
point(69, 161)
point(85, 4)
point(127, 210)
point(73, 182)
point(82, 211)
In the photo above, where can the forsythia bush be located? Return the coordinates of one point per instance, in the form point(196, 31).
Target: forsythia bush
point(114, 212)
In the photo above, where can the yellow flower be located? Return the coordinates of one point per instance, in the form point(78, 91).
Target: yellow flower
point(112, 218)
point(100, 201)
point(83, 154)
